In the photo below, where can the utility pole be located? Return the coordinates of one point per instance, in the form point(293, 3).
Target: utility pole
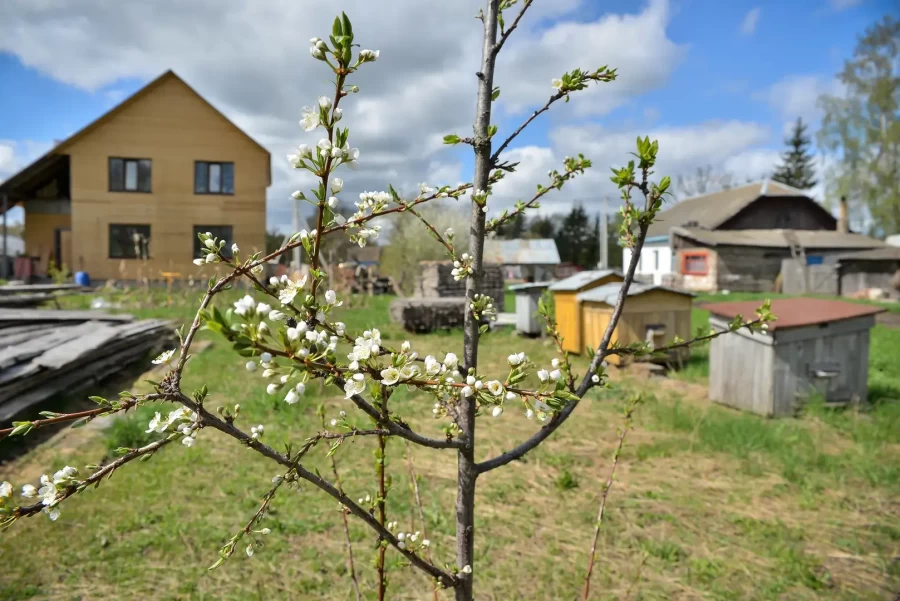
point(295, 263)
point(4, 267)
point(604, 245)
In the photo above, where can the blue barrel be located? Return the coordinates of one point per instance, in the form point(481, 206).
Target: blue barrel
point(82, 279)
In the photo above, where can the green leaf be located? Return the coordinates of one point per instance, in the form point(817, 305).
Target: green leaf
point(347, 28)
point(484, 328)
point(21, 428)
point(451, 139)
point(495, 94)
point(337, 29)
point(492, 129)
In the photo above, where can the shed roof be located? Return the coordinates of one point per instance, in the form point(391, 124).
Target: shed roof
point(887, 253)
point(581, 279)
point(776, 238)
point(609, 293)
point(521, 251)
point(796, 312)
point(712, 210)
point(530, 286)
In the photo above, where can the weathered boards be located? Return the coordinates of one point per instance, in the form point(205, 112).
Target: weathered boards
point(44, 353)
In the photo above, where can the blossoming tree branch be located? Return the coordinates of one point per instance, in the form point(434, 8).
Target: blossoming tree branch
point(289, 338)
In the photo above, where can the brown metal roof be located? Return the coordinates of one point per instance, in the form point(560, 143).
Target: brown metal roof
point(796, 312)
point(712, 210)
point(810, 239)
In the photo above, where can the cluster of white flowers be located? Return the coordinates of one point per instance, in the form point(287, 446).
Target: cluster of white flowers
point(410, 540)
point(256, 432)
point(365, 347)
point(462, 267)
point(317, 48)
point(211, 249)
point(480, 198)
point(402, 367)
point(270, 370)
point(49, 491)
point(341, 420)
point(482, 305)
point(188, 428)
point(368, 56)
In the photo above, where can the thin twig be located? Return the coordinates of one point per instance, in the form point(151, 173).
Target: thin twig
point(512, 27)
point(382, 494)
point(415, 486)
point(609, 481)
point(339, 486)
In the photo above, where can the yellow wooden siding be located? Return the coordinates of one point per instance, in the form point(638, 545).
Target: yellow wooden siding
point(568, 315)
point(173, 127)
point(40, 236)
point(656, 307)
point(567, 320)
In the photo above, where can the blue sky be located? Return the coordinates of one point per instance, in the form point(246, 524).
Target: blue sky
point(753, 65)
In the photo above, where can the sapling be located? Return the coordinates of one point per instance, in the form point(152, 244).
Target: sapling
point(289, 337)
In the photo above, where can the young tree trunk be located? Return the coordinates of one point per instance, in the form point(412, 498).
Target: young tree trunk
point(466, 473)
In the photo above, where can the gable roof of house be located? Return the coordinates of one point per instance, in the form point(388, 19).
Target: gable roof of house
point(48, 159)
point(609, 293)
point(522, 251)
point(579, 280)
point(809, 239)
point(712, 210)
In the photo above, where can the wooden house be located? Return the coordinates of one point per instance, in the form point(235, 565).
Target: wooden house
point(736, 239)
point(568, 315)
point(655, 314)
point(815, 346)
point(126, 196)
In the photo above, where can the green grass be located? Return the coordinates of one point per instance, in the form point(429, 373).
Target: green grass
point(709, 503)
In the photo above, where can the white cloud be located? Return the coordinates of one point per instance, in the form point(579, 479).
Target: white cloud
point(751, 20)
point(250, 60)
point(797, 95)
point(735, 147)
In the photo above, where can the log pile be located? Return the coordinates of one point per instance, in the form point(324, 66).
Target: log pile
point(426, 314)
point(45, 353)
point(33, 295)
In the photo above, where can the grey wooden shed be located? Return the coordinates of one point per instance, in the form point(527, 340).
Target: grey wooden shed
point(527, 297)
point(815, 347)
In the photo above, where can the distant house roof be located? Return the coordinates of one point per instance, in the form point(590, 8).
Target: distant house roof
point(12, 185)
point(776, 238)
point(887, 253)
point(582, 278)
point(609, 293)
point(712, 210)
point(538, 251)
point(367, 254)
point(796, 312)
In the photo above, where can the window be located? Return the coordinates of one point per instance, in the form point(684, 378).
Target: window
point(695, 263)
point(213, 178)
point(220, 232)
point(129, 241)
point(129, 175)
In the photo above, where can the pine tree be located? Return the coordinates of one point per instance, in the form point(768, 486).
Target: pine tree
point(797, 167)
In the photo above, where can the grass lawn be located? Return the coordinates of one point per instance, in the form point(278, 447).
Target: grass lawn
point(709, 503)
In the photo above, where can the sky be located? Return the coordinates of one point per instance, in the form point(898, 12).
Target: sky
point(717, 83)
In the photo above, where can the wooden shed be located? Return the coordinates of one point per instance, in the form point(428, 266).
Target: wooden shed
point(655, 314)
point(568, 317)
point(815, 347)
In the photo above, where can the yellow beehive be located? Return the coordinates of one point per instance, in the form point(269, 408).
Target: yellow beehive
point(655, 314)
point(568, 318)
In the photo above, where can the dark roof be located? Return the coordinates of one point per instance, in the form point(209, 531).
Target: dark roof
point(712, 210)
point(796, 312)
point(776, 238)
point(10, 185)
point(609, 293)
point(887, 253)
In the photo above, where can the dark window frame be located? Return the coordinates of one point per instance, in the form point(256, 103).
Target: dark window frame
point(198, 246)
point(110, 226)
point(137, 161)
point(207, 165)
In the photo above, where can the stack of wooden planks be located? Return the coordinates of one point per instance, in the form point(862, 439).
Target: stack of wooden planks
point(45, 353)
point(33, 295)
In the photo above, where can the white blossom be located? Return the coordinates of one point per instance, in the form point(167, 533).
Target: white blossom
point(199, 262)
point(555, 362)
point(390, 376)
point(164, 357)
point(300, 387)
point(595, 378)
point(268, 373)
point(234, 248)
point(409, 371)
point(529, 413)
point(5, 489)
point(497, 411)
point(331, 298)
point(467, 569)
point(272, 388)
point(355, 385)
point(250, 365)
point(309, 119)
point(479, 384)
point(555, 375)
point(325, 145)
point(29, 491)
point(245, 306)
point(257, 431)
point(516, 359)
point(366, 55)
point(287, 294)
point(543, 375)
point(188, 441)
point(556, 83)
point(266, 357)
point(450, 361)
point(495, 387)
point(466, 391)
point(250, 550)
point(510, 395)
point(332, 201)
point(275, 315)
point(325, 102)
point(157, 423)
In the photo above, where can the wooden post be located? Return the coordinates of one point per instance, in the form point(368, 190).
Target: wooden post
point(3, 267)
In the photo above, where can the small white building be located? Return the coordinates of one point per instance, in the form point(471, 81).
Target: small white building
point(655, 261)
